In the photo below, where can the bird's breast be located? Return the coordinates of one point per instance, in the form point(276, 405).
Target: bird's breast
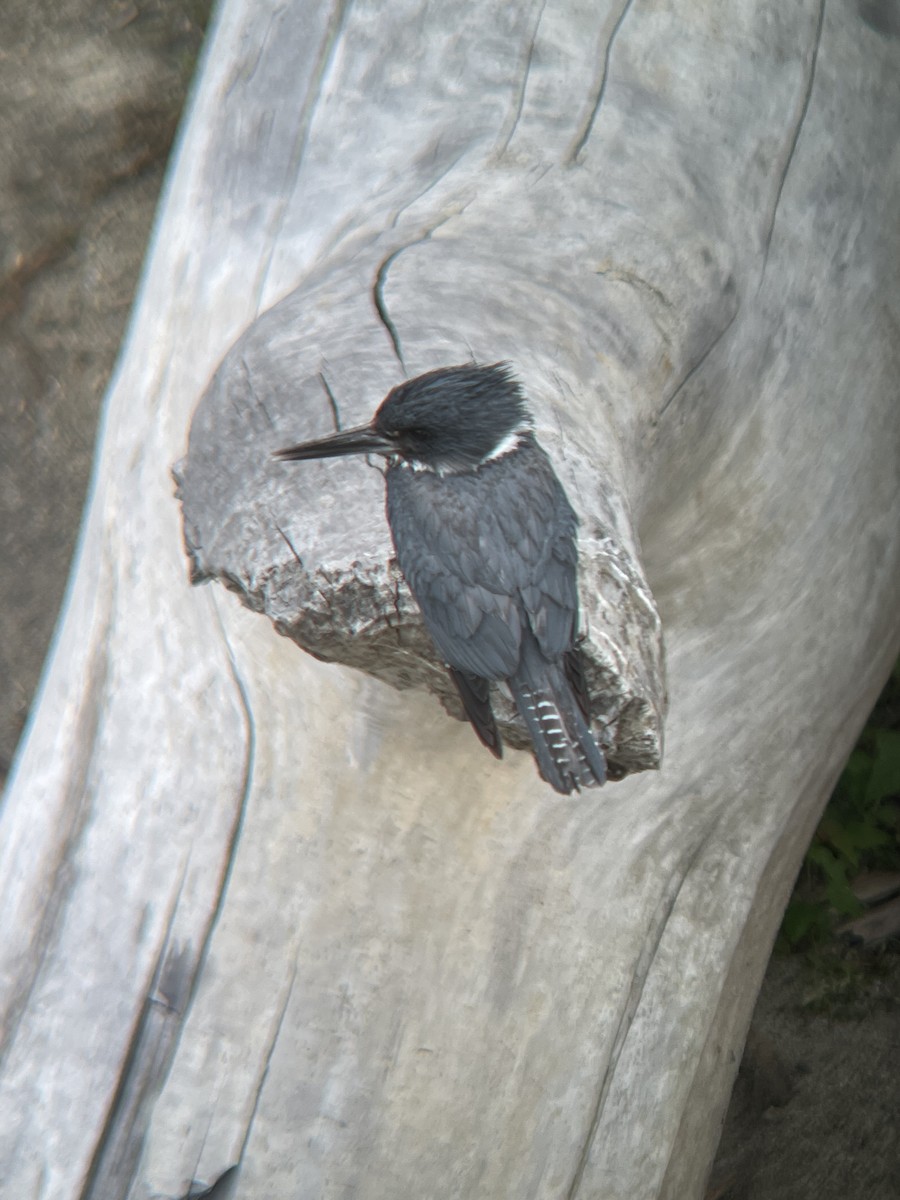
point(513, 507)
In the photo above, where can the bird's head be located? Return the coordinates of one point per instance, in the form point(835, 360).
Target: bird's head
point(449, 420)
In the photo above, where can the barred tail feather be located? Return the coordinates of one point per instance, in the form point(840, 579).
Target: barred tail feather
point(567, 754)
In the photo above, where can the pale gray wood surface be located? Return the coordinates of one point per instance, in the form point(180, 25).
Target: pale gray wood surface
point(266, 911)
point(310, 548)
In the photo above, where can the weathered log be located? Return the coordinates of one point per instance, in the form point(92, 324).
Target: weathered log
point(313, 553)
point(271, 914)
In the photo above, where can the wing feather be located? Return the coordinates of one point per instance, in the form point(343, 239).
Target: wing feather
point(487, 554)
point(475, 694)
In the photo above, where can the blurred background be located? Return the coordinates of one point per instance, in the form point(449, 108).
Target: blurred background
point(90, 98)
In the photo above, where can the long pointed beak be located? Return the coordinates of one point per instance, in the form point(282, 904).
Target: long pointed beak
point(361, 440)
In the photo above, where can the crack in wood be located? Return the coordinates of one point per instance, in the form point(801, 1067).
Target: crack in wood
point(812, 60)
point(623, 275)
point(245, 788)
point(692, 370)
point(157, 1031)
point(270, 1052)
point(600, 91)
point(335, 411)
point(381, 278)
point(145, 1061)
point(381, 305)
point(657, 927)
point(77, 809)
point(219, 1189)
point(520, 98)
point(260, 404)
point(287, 541)
point(324, 59)
point(431, 186)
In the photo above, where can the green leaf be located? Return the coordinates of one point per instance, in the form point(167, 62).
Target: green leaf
point(866, 835)
point(803, 921)
point(841, 898)
point(853, 784)
point(838, 836)
point(837, 885)
point(826, 861)
point(884, 776)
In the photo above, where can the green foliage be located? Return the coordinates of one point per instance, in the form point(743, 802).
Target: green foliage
point(849, 983)
point(803, 923)
point(859, 831)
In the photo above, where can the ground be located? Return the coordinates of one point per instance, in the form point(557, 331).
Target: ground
point(91, 94)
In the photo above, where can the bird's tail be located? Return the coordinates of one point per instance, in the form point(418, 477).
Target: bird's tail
point(567, 754)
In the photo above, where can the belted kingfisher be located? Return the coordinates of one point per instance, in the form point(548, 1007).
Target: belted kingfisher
point(485, 538)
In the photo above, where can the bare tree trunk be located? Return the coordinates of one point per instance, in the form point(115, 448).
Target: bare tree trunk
point(270, 913)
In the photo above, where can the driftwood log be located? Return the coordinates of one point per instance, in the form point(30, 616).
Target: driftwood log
point(273, 925)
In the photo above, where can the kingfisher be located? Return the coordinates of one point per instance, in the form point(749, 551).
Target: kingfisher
point(486, 539)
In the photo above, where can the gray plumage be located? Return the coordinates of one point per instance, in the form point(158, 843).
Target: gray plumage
point(490, 557)
point(486, 540)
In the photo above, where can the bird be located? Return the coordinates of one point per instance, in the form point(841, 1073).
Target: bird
point(485, 537)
